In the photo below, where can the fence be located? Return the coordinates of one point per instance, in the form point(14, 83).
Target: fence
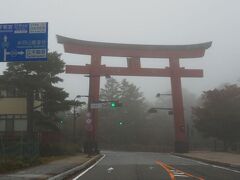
point(19, 145)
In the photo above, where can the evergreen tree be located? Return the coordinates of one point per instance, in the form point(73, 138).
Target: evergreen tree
point(111, 90)
point(219, 115)
point(120, 126)
point(35, 78)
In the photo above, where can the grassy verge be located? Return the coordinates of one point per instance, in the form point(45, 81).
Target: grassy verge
point(16, 163)
point(49, 153)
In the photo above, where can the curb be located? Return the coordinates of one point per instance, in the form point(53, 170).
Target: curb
point(76, 169)
point(236, 167)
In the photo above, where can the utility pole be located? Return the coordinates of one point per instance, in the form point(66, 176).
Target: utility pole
point(75, 115)
point(74, 118)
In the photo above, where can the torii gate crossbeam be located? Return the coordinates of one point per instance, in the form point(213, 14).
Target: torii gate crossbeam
point(134, 53)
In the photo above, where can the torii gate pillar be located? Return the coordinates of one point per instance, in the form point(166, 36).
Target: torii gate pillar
point(134, 53)
point(181, 143)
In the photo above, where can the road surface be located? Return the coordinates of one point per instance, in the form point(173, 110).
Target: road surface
point(153, 166)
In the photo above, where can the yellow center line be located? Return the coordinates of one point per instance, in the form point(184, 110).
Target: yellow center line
point(168, 168)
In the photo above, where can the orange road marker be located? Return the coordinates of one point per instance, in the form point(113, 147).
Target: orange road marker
point(173, 172)
point(170, 173)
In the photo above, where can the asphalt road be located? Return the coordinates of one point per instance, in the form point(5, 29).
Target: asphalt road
point(153, 166)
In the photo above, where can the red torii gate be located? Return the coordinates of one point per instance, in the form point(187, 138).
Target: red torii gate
point(134, 52)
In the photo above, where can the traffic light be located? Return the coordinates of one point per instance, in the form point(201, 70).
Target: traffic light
point(115, 104)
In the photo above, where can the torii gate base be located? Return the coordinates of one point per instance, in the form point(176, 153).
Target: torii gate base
point(135, 52)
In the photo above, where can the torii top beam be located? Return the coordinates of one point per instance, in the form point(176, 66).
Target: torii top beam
point(132, 50)
point(76, 46)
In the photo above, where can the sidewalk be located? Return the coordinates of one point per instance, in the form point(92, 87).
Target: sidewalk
point(54, 168)
point(217, 158)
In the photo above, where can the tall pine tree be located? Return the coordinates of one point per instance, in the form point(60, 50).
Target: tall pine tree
point(34, 78)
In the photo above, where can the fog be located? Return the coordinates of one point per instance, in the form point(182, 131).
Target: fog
point(160, 22)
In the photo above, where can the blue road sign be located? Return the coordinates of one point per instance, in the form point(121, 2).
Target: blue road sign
point(23, 42)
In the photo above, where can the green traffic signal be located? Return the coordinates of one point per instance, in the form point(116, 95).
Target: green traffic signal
point(120, 123)
point(113, 104)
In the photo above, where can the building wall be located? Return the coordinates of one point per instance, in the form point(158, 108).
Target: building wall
point(13, 112)
point(13, 106)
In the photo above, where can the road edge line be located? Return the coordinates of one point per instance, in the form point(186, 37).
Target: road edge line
point(76, 169)
point(210, 162)
point(92, 166)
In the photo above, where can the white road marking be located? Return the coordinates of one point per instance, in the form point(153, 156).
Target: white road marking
point(89, 168)
point(199, 162)
point(202, 163)
point(225, 168)
point(109, 170)
point(180, 175)
point(151, 168)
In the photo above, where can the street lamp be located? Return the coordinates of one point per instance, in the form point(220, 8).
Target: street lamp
point(107, 76)
point(159, 94)
point(170, 110)
point(93, 144)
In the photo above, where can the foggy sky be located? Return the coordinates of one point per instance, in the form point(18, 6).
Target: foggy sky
point(157, 22)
